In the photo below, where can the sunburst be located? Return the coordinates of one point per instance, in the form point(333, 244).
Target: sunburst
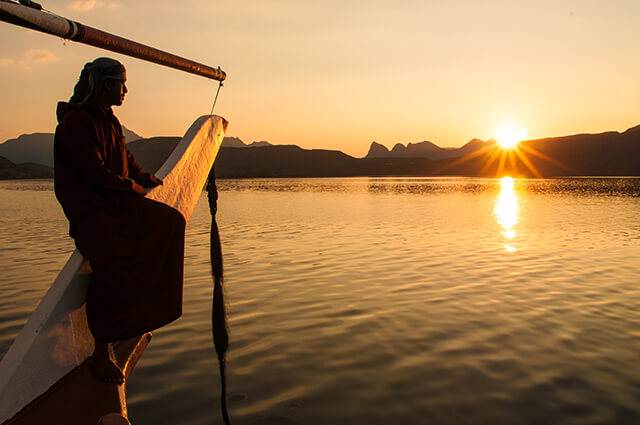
point(507, 152)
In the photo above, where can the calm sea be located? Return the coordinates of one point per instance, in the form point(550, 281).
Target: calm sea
point(383, 301)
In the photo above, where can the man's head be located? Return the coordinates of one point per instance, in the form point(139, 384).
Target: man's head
point(102, 81)
point(113, 91)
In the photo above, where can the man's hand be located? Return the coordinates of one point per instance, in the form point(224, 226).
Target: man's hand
point(155, 181)
point(139, 189)
point(150, 181)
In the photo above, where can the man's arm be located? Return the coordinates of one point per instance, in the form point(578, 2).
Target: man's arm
point(138, 174)
point(80, 142)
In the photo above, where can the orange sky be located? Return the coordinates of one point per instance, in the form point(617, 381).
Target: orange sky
point(341, 74)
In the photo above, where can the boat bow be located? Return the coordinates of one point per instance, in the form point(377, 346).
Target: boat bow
point(56, 339)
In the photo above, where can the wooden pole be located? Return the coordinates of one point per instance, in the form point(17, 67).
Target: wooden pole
point(34, 19)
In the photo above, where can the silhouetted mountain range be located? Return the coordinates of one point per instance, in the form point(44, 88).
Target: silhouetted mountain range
point(423, 150)
point(9, 170)
point(605, 154)
point(38, 147)
point(235, 142)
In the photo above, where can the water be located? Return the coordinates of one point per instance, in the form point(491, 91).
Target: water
point(383, 301)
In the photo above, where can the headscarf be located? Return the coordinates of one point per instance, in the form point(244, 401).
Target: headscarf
point(93, 75)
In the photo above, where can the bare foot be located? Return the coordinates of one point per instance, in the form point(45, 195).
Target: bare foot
point(113, 419)
point(103, 365)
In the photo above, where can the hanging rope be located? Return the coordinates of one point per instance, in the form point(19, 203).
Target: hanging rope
point(216, 98)
point(219, 329)
point(218, 314)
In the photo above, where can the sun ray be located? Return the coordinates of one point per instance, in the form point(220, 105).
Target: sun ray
point(512, 163)
point(532, 151)
point(494, 155)
point(503, 159)
point(466, 158)
point(527, 162)
point(515, 159)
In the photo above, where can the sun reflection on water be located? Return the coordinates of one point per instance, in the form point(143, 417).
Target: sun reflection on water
point(506, 210)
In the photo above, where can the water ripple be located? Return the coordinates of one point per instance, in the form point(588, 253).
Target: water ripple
point(383, 300)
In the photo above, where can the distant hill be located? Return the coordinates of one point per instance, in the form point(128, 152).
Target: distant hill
point(604, 154)
point(35, 152)
point(151, 153)
point(424, 149)
point(129, 136)
point(38, 147)
point(283, 161)
point(235, 142)
point(9, 170)
point(258, 161)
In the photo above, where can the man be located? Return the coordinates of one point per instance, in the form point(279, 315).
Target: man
point(135, 246)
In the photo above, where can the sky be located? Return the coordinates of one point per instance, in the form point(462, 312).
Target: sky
point(342, 74)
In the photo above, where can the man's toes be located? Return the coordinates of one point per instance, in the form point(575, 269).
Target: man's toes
point(116, 375)
point(107, 371)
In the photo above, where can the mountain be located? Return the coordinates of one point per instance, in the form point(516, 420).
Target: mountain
point(259, 161)
point(424, 149)
point(9, 170)
point(235, 142)
point(151, 153)
point(260, 144)
point(129, 136)
point(472, 146)
point(633, 131)
point(38, 147)
point(283, 161)
point(605, 154)
point(376, 150)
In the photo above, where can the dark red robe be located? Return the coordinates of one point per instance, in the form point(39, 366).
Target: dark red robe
point(135, 245)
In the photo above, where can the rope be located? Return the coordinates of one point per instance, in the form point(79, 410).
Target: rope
point(218, 315)
point(216, 98)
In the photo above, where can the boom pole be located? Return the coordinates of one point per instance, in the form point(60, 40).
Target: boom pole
point(34, 19)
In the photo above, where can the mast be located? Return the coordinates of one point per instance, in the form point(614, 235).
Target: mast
point(32, 18)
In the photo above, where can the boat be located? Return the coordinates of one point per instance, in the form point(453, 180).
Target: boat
point(45, 376)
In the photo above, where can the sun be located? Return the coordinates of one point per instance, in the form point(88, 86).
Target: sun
point(509, 137)
point(512, 157)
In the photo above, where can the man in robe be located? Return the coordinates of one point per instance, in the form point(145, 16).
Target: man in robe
point(135, 245)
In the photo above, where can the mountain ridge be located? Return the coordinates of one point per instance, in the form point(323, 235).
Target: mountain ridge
point(610, 153)
point(37, 148)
